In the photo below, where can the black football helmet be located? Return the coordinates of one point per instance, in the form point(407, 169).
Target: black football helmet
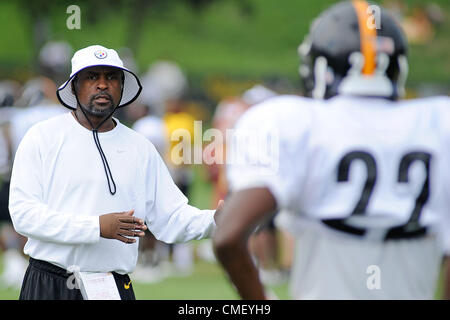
point(354, 48)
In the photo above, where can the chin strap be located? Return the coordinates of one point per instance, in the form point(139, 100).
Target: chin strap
point(108, 173)
point(109, 177)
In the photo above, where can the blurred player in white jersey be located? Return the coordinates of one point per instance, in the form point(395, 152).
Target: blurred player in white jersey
point(151, 251)
point(36, 103)
point(364, 177)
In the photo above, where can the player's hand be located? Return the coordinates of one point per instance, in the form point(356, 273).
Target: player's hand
point(121, 225)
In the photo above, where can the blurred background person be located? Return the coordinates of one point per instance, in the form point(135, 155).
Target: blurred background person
point(164, 86)
point(225, 116)
point(10, 242)
point(54, 60)
point(264, 243)
point(267, 241)
point(37, 102)
point(150, 266)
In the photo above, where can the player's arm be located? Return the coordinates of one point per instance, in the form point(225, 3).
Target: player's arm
point(241, 214)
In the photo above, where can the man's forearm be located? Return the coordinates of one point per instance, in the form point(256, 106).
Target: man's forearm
point(239, 266)
point(38, 221)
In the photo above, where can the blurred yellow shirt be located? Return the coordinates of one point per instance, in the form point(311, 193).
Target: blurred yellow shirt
point(175, 121)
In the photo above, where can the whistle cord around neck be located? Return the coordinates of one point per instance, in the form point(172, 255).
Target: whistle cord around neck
point(109, 177)
point(105, 163)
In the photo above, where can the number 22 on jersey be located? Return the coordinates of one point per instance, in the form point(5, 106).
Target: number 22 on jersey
point(410, 229)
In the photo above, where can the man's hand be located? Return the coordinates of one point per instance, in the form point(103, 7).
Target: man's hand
point(121, 225)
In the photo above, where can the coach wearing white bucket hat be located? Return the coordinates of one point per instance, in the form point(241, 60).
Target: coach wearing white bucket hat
point(99, 56)
point(83, 185)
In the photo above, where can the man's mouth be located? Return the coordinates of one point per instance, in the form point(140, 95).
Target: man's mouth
point(102, 99)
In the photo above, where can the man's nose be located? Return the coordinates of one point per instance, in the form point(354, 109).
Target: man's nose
point(102, 84)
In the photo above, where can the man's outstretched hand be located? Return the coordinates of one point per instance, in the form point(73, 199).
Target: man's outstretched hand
point(121, 225)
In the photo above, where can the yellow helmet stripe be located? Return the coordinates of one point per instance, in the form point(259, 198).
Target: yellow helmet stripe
point(368, 36)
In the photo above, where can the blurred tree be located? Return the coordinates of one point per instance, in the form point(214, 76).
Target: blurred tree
point(139, 12)
point(137, 15)
point(39, 13)
point(198, 6)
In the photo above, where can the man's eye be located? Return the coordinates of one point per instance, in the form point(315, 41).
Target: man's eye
point(111, 77)
point(92, 77)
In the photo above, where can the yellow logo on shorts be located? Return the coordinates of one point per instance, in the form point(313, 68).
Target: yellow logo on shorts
point(127, 286)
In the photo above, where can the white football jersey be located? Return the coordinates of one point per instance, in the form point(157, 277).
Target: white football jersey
point(365, 181)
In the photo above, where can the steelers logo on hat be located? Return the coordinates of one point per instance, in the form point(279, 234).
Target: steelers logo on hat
point(101, 54)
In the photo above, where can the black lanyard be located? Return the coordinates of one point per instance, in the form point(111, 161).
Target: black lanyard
point(108, 173)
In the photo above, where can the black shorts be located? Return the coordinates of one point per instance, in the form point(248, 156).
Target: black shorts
point(45, 281)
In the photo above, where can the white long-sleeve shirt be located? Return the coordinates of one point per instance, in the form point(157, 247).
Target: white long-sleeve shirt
point(59, 190)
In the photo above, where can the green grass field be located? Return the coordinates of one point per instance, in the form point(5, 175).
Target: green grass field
point(208, 282)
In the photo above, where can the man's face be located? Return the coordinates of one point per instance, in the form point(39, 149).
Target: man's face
point(99, 89)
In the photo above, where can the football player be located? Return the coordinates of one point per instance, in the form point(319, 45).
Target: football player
point(363, 176)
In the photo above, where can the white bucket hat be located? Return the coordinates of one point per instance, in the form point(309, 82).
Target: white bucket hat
point(99, 56)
